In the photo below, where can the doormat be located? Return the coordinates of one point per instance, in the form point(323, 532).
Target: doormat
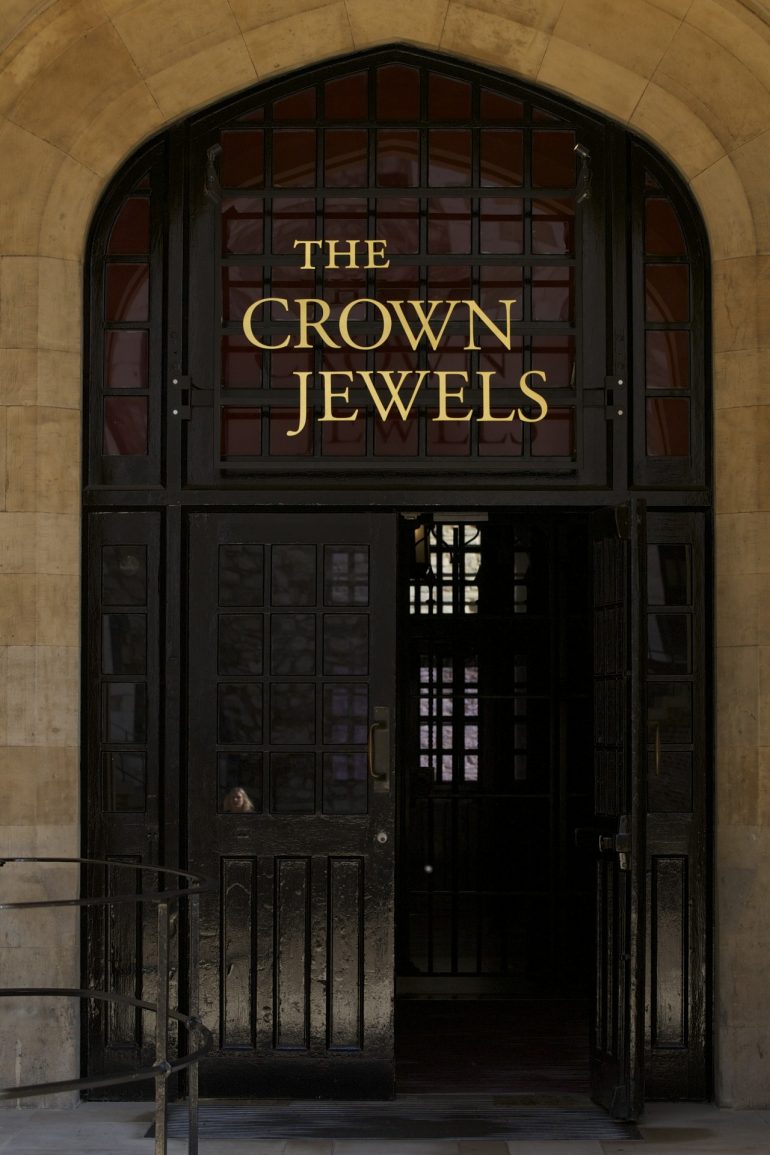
point(407, 1117)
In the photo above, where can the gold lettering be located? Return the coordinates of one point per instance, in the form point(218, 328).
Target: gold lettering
point(249, 331)
point(305, 323)
point(387, 323)
point(444, 394)
point(394, 390)
point(486, 406)
point(307, 245)
point(302, 376)
point(330, 394)
point(538, 397)
point(335, 252)
point(424, 319)
point(475, 310)
point(376, 249)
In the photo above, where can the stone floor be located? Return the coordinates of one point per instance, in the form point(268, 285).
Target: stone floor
point(120, 1129)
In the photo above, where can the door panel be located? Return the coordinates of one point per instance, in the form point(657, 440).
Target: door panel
point(292, 664)
point(619, 805)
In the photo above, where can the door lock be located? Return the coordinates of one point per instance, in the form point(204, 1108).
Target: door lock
point(381, 837)
point(620, 842)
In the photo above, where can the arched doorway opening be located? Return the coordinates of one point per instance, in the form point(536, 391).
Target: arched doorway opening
point(320, 476)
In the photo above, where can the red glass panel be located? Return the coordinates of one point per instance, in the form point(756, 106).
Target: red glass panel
point(650, 181)
point(144, 183)
point(540, 116)
point(347, 97)
point(255, 116)
point(125, 359)
point(668, 427)
point(501, 283)
point(396, 356)
point(289, 283)
point(667, 291)
point(241, 364)
point(500, 438)
point(398, 157)
point(398, 283)
point(284, 363)
point(553, 159)
point(449, 438)
point(396, 438)
point(242, 164)
point(663, 236)
point(344, 438)
point(131, 231)
point(449, 357)
point(294, 155)
point(341, 286)
point(506, 364)
point(345, 219)
point(398, 223)
point(500, 108)
point(449, 156)
point(242, 225)
point(448, 283)
point(502, 157)
point(554, 436)
point(449, 225)
point(241, 432)
point(282, 421)
point(554, 356)
point(448, 99)
point(553, 293)
point(297, 106)
point(127, 292)
point(398, 92)
point(502, 226)
point(293, 220)
point(667, 363)
point(125, 426)
point(343, 360)
point(553, 227)
point(241, 287)
point(346, 152)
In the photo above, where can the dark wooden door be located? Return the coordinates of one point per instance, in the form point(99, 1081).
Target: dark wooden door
point(289, 782)
point(617, 1046)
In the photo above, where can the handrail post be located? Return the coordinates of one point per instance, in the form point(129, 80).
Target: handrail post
point(161, 1034)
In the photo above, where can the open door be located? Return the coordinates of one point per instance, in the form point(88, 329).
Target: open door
point(290, 799)
point(617, 1044)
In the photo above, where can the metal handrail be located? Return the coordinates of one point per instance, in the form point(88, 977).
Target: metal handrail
point(162, 1068)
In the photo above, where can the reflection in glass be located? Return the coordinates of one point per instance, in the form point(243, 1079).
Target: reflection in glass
point(398, 92)
point(506, 366)
point(346, 98)
point(292, 220)
point(241, 575)
point(239, 772)
point(131, 231)
point(667, 292)
point(553, 293)
point(449, 225)
point(237, 801)
point(668, 575)
point(345, 219)
point(668, 426)
point(502, 226)
point(124, 644)
point(450, 355)
point(553, 227)
point(502, 157)
point(448, 98)
point(340, 287)
point(663, 236)
point(669, 712)
point(396, 438)
point(125, 359)
point(345, 713)
point(240, 644)
point(292, 783)
point(344, 783)
point(554, 356)
point(242, 163)
point(292, 713)
point(125, 711)
point(447, 439)
point(500, 440)
point(292, 644)
point(282, 422)
point(398, 157)
point(554, 436)
point(284, 363)
point(494, 106)
point(242, 225)
point(449, 156)
point(127, 292)
point(125, 781)
point(240, 712)
point(294, 152)
point(241, 364)
point(124, 575)
point(293, 575)
point(398, 224)
point(346, 575)
point(241, 432)
point(241, 287)
point(296, 106)
point(344, 438)
point(501, 283)
point(553, 159)
point(346, 644)
point(668, 644)
point(667, 364)
point(345, 157)
point(125, 426)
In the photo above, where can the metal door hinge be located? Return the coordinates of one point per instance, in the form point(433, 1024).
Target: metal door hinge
point(615, 397)
point(184, 394)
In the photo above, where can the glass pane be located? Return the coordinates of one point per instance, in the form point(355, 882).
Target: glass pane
point(346, 644)
point(448, 438)
point(125, 782)
point(663, 235)
point(451, 357)
point(344, 785)
point(124, 644)
point(346, 575)
point(448, 99)
point(667, 363)
point(292, 644)
point(667, 290)
point(501, 439)
point(553, 227)
point(285, 363)
point(668, 644)
point(554, 436)
point(127, 292)
point(668, 575)
point(398, 92)
point(502, 157)
point(347, 97)
point(242, 164)
point(669, 712)
point(125, 708)
point(555, 356)
point(239, 781)
point(668, 427)
point(241, 575)
point(340, 287)
point(293, 220)
point(669, 781)
point(553, 159)
point(131, 231)
point(449, 156)
point(344, 438)
point(125, 426)
point(345, 219)
point(506, 366)
point(553, 293)
point(240, 712)
point(125, 359)
point(296, 106)
point(242, 219)
point(294, 151)
point(398, 157)
point(345, 157)
point(449, 225)
point(293, 575)
point(497, 107)
point(240, 644)
point(282, 423)
point(398, 223)
point(241, 364)
point(241, 432)
point(501, 283)
point(292, 712)
point(396, 438)
point(289, 282)
point(292, 783)
point(502, 226)
point(241, 287)
point(345, 714)
point(124, 575)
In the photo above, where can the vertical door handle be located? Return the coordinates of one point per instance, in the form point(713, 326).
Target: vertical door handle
point(378, 750)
